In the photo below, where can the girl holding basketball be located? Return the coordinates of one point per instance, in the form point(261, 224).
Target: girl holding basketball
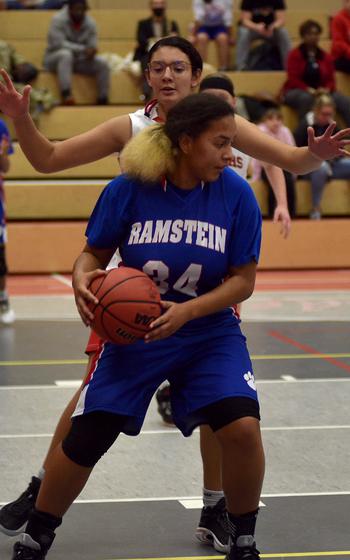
point(176, 73)
point(188, 222)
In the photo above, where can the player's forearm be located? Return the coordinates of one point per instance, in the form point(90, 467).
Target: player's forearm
point(252, 141)
point(37, 149)
point(4, 163)
point(277, 183)
point(234, 290)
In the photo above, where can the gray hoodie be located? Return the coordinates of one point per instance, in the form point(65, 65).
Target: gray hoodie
point(63, 35)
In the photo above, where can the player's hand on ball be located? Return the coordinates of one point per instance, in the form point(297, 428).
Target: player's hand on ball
point(12, 103)
point(174, 317)
point(83, 296)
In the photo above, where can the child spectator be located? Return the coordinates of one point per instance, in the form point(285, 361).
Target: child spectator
point(7, 315)
point(311, 72)
point(272, 124)
point(322, 115)
point(213, 20)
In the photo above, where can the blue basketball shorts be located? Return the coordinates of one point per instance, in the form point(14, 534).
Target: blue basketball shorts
point(202, 368)
point(3, 233)
point(212, 30)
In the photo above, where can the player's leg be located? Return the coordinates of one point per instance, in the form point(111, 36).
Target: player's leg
point(243, 467)
point(212, 526)
point(15, 514)
point(68, 469)
point(7, 315)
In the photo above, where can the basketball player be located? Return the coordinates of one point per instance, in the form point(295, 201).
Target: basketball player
point(214, 233)
point(176, 73)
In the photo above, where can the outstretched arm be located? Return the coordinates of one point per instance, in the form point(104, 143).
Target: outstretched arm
point(48, 157)
point(278, 185)
point(257, 144)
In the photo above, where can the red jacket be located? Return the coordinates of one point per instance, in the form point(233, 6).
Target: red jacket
point(296, 64)
point(340, 31)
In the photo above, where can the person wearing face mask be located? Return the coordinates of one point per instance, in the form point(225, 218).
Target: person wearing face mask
point(72, 47)
point(148, 32)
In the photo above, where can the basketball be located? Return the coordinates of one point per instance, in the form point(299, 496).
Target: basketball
point(128, 302)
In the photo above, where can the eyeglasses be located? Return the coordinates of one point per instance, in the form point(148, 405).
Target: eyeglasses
point(178, 67)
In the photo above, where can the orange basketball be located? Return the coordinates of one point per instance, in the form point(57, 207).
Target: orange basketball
point(128, 302)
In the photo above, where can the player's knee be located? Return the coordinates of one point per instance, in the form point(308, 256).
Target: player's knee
point(90, 436)
point(3, 265)
point(224, 412)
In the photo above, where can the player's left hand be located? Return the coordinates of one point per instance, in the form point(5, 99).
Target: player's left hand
point(329, 145)
point(282, 216)
point(174, 317)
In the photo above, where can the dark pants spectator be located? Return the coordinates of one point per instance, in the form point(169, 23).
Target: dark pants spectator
point(246, 36)
point(63, 63)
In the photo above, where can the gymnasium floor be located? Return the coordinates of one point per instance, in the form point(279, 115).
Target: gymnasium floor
point(143, 499)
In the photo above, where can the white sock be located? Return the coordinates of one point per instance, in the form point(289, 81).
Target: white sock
point(211, 497)
point(41, 473)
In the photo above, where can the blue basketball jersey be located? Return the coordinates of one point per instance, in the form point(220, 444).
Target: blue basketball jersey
point(185, 240)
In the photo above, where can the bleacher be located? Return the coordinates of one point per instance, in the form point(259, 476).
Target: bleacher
point(47, 213)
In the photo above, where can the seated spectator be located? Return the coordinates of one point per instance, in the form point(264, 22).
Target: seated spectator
point(72, 47)
point(31, 4)
point(272, 124)
point(23, 73)
point(340, 32)
point(148, 32)
point(322, 115)
point(310, 73)
point(264, 20)
point(213, 20)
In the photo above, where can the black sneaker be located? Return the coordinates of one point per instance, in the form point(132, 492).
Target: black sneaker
point(14, 515)
point(213, 528)
point(164, 404)
point(28, 549)
point(244, 549)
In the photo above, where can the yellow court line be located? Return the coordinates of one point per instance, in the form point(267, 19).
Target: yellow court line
point(282, 555)
point(256, 357)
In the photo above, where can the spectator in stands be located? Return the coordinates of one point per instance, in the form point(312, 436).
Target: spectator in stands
point(311, 72)
point(264, 20)
point(272, 124)
point(340, 32)
point(72, 47)
point(31, 4)
point(22, 73)
point(322, 115)
point(148, 32)
point(213, 21)
point(7, 315)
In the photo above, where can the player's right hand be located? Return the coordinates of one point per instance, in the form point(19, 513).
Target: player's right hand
point(83, 296)
point(12, 103)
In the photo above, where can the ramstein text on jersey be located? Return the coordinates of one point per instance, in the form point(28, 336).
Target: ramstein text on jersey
point(193, 232)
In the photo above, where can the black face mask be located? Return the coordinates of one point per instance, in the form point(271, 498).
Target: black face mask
point(158, 12)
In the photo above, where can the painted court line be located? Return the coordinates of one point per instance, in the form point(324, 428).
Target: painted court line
point(315, 355)
point(177, 432)
point(309, 350)
point(282, 555)
point(190, 498)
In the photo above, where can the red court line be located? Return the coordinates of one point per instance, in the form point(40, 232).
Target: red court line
point(308, 349)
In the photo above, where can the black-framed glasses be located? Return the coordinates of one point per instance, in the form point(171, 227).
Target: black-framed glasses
point(178, 67)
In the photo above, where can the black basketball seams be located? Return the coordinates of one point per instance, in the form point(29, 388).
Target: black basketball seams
point(122, 282)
